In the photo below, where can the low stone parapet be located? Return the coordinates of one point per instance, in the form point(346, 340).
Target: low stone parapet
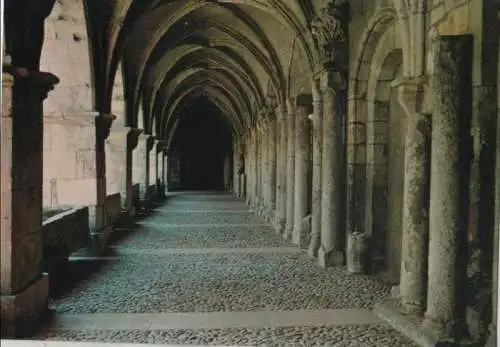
point(113, 207)
point(65, 230)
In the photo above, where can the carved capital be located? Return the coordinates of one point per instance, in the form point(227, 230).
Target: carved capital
point(331, 79)
point(329, 31)
point(160, 145)
point(411, 94)
point(103, 123)
point(133, 138)
point(36, 84)
point(150, 142)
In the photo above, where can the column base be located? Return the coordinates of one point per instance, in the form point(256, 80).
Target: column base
point(329, 258)
point(413, 326)
point(314, 244)
point(301, 234)
point(492, 339)
point(269, 215)
point(279, 226)
point(99, 242)
point(23, 313)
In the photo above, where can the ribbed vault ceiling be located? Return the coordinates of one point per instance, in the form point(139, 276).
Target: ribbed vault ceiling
point(234, 53)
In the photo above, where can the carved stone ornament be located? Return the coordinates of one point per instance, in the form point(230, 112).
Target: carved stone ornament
point(329, 30)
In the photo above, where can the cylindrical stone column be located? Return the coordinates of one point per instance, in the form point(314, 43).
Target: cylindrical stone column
point(301, 174)
point(132, 141)
point(413, 283)
point(290, 171)
point(317, 129)
point(330, 252)
point(272, 157)
point(445, 187)
point(282, 177)
point(265, 153)
point(255, 180)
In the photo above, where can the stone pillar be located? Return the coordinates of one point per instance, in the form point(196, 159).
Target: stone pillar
point(116, 161)
point(24, 289)
point(159, 169)
point(290, 171)
point(445, 205)
point(330, 252)
point(262, 166)
point(143, 152)
point(317, 129)
point(413, 282)
point(272, 161)
point(299, 236)
point(265, 166)
point(281, 194)
point(153, 160)
point(132, 141)
point(249, 168)
point(256, 171)
point(166, 171)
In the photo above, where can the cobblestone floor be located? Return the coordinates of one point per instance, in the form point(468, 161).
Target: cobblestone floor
point(214, 281)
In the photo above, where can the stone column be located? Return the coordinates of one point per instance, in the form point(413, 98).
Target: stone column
point(299, 236)
point(159, 169)
point(166, 171)
point(265, 166)
point(445, 197)
point(116, 161)
point(330, 252)
point(143, 152)
point(132, 141)
point(24, 288)
point(248, 169)
point(271, 171)
point(317, 129)
point(255, 180)
point(290, 170)
point(281, 194)
point(413, 283)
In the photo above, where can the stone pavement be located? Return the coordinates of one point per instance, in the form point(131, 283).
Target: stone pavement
point(201, 269)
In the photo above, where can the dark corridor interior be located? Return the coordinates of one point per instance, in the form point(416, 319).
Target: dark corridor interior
point(203, 141)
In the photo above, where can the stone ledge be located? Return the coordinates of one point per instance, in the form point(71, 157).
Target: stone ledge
point(22, 312)
point(411, 326)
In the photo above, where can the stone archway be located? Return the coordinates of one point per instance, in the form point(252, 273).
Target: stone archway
point(385, 130)
point(384, 141)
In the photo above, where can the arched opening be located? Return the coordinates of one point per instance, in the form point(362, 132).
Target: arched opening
point(386, 127)
point(204, 146)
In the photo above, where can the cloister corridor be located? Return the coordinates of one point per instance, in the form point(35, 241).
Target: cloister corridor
point(250, 172)
point(235, 281)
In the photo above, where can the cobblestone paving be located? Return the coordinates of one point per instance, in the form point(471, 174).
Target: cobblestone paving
point(342, 336)
point(148, 283)
point(203, 237)
point(219, 282)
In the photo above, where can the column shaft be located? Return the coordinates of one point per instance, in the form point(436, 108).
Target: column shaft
point(317, 128)
point(272, 169)
point(333, 189)
point(445, 186)
point(412, 286)
point(282, 173)
point(290, 172)
point(301, 175)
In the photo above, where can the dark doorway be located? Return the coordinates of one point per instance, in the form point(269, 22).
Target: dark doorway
point(203, 141)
